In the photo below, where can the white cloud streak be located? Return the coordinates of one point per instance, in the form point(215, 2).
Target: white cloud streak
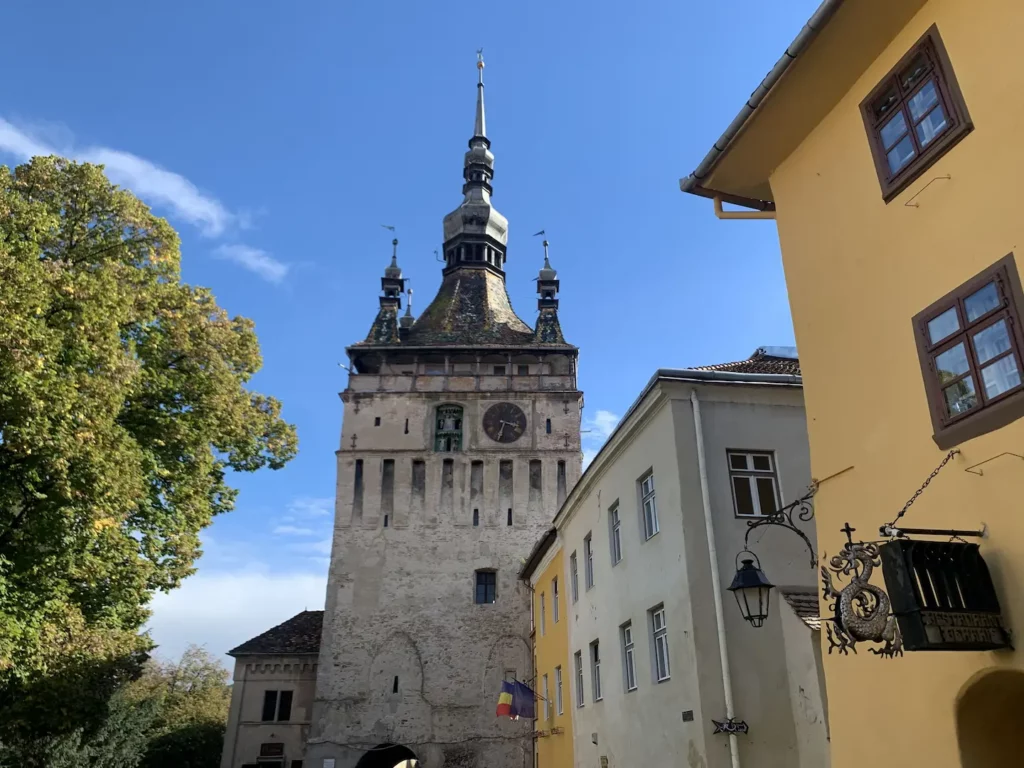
point(223, 610)
point(307, 506)
point(291, 530)
point(254, 260)
point(158, 186)
point(601, 425)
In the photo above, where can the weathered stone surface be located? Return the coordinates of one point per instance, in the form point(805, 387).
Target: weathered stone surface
point(408, 657)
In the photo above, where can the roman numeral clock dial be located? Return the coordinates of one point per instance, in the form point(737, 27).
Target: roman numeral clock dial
point(504, 422)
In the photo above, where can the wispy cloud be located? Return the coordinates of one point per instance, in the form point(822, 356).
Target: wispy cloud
point(596, 430)
point(223, 610)
point(291, 530)
point(161, 188)
point(601, 424)
point(148, 180)
point(307, 506)
point(255, 260)
point(322, 547)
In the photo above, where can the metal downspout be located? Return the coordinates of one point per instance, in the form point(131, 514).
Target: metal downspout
point(716, 583)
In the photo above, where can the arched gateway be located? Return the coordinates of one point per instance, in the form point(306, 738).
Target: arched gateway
point(388, 756)
point(987, 739)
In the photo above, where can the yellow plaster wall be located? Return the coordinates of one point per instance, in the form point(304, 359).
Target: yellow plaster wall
point(857, 271)
point(552, 649)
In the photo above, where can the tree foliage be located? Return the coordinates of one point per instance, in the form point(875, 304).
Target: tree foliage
point(123, 406)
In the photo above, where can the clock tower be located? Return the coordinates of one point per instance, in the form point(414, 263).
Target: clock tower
point(460, 440)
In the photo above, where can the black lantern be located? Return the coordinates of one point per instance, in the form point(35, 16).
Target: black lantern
point(752, 590)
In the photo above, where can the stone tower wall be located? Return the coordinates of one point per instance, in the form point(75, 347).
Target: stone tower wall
point(408, 657)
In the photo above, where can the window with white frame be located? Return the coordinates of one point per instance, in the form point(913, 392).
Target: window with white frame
point(648, 507)
point(659, 634)
point(615, 535)
point(543, 622)
point(595, 670)
point(574, 577)
point(547, 701)
point(554, 599)
point(628, 656)
point(588, 562)
point(578, 661)
point(558, 690)
point(755, 485)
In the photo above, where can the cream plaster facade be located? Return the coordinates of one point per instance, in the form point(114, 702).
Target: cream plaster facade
point(246, 730)
point(775, 669)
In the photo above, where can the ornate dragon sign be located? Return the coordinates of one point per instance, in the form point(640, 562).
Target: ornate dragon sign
point(862, 610)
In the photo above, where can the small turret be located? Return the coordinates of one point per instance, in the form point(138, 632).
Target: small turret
point(385, 328)
point(548, 330)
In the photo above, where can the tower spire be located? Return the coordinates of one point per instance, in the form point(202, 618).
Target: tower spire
point(480, 126)
point(475, 234)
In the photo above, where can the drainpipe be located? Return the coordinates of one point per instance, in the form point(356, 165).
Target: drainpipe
point(723, 214)
point(716, 583)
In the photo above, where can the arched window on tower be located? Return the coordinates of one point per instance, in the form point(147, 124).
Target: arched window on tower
point(448, 428)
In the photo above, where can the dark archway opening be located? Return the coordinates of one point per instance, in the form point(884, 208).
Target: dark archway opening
point(389, 756)
point(983, 720)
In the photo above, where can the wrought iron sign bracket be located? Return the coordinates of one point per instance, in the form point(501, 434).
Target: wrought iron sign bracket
point(890, 531)
point(783, 518)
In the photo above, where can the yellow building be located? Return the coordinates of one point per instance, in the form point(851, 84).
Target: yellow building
point(886, 144)
point(543, 571)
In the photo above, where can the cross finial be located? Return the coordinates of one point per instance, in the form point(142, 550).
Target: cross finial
point(849, 533)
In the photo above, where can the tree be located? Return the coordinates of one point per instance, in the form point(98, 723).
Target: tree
point(123, 406)
point(195, 696)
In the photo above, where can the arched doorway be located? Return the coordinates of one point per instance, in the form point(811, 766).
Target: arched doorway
point(986, 740)
point(389, 756)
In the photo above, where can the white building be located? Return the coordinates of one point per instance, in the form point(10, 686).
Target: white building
point(727, 445)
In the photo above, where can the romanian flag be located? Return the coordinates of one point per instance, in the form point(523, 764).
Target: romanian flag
point(516, 700)
point(505, 699)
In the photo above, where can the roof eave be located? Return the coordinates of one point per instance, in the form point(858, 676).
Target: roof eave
point(693, 183)
point(537, 554)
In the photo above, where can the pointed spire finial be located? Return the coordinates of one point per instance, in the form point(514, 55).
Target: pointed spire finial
point(394, 270)
point(547, 264)
point(480, 127)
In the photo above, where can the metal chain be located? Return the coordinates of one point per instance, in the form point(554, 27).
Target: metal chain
point(924, 485)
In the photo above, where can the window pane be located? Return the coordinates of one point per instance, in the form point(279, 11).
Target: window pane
point(284, 710)
point(744, 499)
point(914, 71)
point(952, 363)
point(934, 124)
point(960, 397)
point(738, 460)
point(900, 155)
point(763, 462)
point(942, 326)
point(992, 341)
point(923, 100)
point(884, 103)
point(982, 302)
point(766, 495)
point(269, 705)
point(893, 129)
point(1002, 376)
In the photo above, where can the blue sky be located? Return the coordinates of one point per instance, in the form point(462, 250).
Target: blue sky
point(278, 137)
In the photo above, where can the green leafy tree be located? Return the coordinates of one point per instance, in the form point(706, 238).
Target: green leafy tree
point(195, 696)
point(123, 406)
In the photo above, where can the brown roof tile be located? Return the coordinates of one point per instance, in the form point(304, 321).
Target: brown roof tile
point(299, 635)
point(759, 362)
point(805, 605)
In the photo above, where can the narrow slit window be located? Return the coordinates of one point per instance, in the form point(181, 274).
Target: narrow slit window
point(376, 421)
point(476, 517)
point(509, 520)
point(394, 685)
point(385, 521)
point(547, 426)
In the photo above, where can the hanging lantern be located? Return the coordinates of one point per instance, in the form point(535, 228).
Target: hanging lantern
point(752, 590)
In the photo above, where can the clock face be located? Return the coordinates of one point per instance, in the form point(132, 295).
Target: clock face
point(504, 422)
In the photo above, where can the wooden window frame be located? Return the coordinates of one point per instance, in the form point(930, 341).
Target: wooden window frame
point(990, 414)
point(753, 474)
point(950, 97)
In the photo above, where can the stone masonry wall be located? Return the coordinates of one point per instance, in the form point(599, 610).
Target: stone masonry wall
point(408, 657)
